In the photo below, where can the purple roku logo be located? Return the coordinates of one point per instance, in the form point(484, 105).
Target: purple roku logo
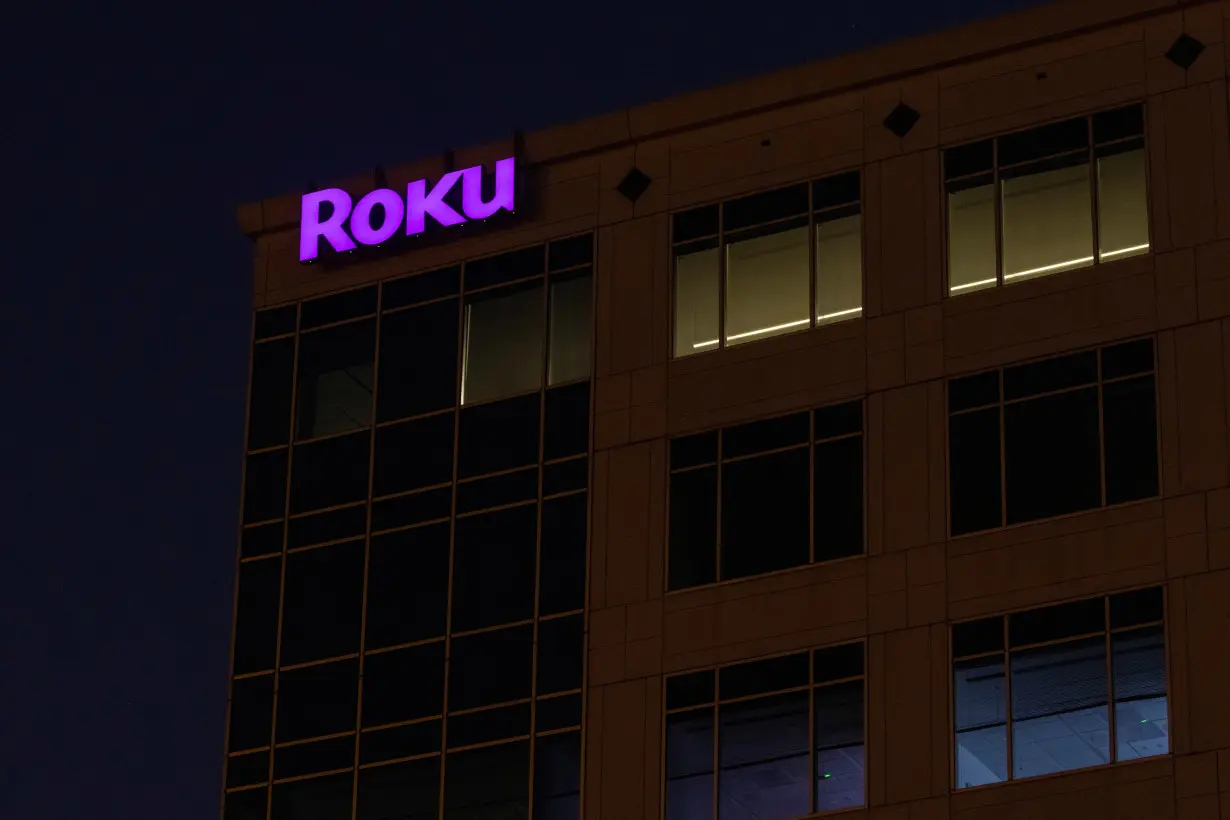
point(351, 223)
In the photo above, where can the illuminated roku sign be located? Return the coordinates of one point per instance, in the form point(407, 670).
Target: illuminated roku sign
point(351, 224)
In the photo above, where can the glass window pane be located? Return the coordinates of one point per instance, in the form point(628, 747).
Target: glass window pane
point(493, 567)
point(335, 379)
point(490, 667)
point(407, 791)
point(269, 400)
point(1048, 222)
point(839, 269)
point(696, 301)
point(689, 765)
point(557, 777)
point(405, 684)
point(767, 292)
point(264, 486)
point(326, 755)
point(561, 586)
point(251, 723)
point(1051, 455)
point(693, 528)
point(491, 783)
point(329, 472)
point(838, 500)
point(570, 329)
point(1123, 207)
point(247, 770)
point(418, 360)
point(755, 492)
point(246, 805)
point(256, 615)
point(503, 344)
point(971, 236)
point(973, 471)
point(840, 754)
point(320, 798)
point(561, 654)
point(1059, 716)
point(1142, 725)
point(314, 701)
point(1129, 427)
point(322, 605)
point(980, 720)
point(764, 758)
point(407, 585)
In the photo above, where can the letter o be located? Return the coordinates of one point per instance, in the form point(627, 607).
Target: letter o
point(361, 217)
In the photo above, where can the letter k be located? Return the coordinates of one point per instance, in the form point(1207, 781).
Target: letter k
point(420, 203)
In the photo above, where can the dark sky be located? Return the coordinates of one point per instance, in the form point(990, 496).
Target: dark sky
point(131, 131)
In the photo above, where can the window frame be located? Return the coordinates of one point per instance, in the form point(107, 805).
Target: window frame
point(720, 238)
point(1107, 632)
point(1091, 153)
point(811, 444)
point(715, 707)
point(1100, 384)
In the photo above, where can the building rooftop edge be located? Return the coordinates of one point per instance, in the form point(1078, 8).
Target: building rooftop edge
point(842, 73)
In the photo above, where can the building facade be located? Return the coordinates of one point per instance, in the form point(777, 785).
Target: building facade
point(851, 440)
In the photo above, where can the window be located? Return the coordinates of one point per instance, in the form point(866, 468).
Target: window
point(517, 322)
point(767, 264)
point(1060, 688)
point(1051, 437)
point(766, 496)
point(335, 379)
point(776, 739)
point(1056, 198)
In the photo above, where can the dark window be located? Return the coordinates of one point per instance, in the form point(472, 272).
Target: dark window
point(768, 754)
point(498, 436)
point(558, 712)
point(334, 384)
point(416, 508)
point(507, 267)
point(256, 615)
point(486, 783)
point(490, 667)
point(273, 373)
point(565, 476)
point(421, 287)
point(250, 804)
point(403, 684)
point(334, 525)
point(1068, 443)
point(251, 713)
point(317, 798)
point(317, 700)
point(323, 603)
point(561, 654)
point(264, 486)
point(493, 567)
point(407, 791)
point(1046, 200)
point(407, 599)
point(247, 770)
point(561, 586)
point(789, 490)
point(567, 421)
point(1066, 713)
point(413, 454)
point(330, 472)
point(772, 269)
point(338, 307)
point(418, 360)
point(256, 542)
point(557, 777)
point(488, 725)
point(497, 490)
point(571, 252)
point(326, 755)
point(405, 740)
point(276, 321)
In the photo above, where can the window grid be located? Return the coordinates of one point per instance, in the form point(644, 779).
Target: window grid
point(547, 277)
point(721, 460)
point(718, 701)
point(1091, 150)
point(1004, 655)
point(721, 342)
point(1004, 403)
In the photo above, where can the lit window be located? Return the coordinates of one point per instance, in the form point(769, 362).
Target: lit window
point(1033, 692)
point(771, 762)
point(1055, 198)
point(771, 263)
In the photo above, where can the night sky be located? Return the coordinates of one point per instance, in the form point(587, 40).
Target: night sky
point(131, 133)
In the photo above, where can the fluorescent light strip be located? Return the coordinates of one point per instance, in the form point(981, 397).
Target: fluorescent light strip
point(759, 331)
point(1082, 261)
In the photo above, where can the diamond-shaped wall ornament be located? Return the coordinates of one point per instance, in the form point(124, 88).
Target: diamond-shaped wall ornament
point(1185, 51)
point(901, 119)
point(634, 183)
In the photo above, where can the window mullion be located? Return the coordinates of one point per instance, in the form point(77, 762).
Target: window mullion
point(999, 214)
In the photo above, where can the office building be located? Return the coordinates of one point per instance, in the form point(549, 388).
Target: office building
point(848, 440)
